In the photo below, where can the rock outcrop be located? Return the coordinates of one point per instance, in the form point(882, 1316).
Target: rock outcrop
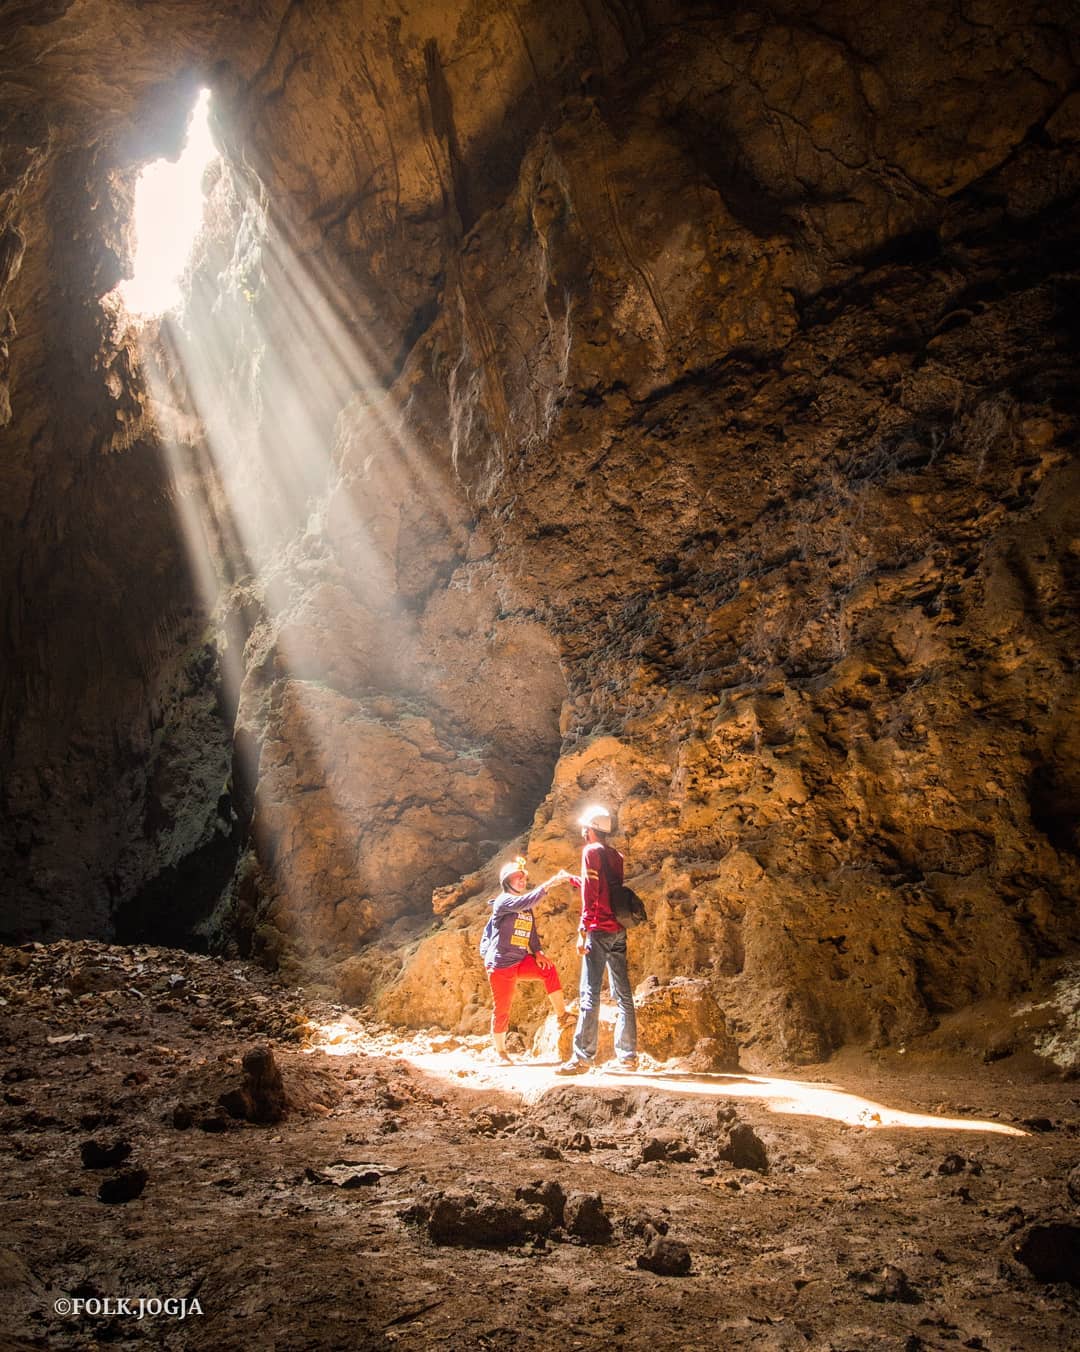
point(664, 407)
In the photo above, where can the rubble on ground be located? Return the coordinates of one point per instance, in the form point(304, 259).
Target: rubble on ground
point(186, 1125)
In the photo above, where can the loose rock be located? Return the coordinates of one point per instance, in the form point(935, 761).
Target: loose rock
point(98, 1156)
point(586, 1218)
point(261, 1098)
point(343, 1174)
point(683, 1018)
point(548, 1194)
point(1050, 1252)
point(665, 1257)
point(644, 1226)
point(124, 1187)
point(745, 1149)
point(460, 1218)
point(667, 1145)
point(887, 1283)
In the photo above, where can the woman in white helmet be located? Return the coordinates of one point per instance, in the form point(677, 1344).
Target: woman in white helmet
point(511, 950)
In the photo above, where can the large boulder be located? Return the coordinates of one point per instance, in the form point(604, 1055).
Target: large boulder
point(683, 1019)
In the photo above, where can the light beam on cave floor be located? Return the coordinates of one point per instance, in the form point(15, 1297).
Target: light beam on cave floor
point(531, 1079)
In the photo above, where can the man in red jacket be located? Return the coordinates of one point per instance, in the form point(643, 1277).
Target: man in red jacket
point(602, 945)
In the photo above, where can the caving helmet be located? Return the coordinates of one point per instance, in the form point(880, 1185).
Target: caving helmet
point(511, 867)
point(596, 818)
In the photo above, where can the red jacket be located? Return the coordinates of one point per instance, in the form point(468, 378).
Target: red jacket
point(598, 862)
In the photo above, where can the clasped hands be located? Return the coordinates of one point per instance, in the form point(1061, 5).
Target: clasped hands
point(563, 876)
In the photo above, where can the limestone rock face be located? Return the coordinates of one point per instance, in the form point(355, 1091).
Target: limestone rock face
point(645, 404)
point(683, 1019)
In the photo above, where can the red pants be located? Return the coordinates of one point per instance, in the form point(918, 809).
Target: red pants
point(504, 979)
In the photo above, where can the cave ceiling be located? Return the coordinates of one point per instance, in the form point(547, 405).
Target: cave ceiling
point(667, 403)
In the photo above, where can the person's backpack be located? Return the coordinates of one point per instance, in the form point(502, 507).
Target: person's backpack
point(489, 940)
point(628, 908)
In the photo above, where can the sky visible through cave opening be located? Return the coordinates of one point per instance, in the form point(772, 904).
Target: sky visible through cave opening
point(169, 209)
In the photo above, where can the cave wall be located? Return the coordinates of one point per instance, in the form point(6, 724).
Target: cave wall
point(114, 751)
point(826, 607)
point(717, 444)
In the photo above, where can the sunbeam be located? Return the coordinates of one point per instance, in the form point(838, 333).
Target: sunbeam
point(282, 449)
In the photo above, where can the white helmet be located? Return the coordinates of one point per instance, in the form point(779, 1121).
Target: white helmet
point(596, 817)
point(511, 867)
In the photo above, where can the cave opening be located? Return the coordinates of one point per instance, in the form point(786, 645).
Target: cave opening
point(169, 211)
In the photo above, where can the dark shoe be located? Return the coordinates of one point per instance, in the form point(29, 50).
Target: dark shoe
point(628, 1066)
point(573, 1068)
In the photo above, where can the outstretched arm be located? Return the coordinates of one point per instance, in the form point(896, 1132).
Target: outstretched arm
point(510, 901)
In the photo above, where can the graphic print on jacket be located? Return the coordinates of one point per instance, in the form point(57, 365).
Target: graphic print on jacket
point(522, 932)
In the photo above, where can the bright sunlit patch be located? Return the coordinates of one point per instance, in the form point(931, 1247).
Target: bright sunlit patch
point(532, 1079)
point(337, 1039)
point(168, 213)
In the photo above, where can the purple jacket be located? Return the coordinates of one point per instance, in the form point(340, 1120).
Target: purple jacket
point(511, 934)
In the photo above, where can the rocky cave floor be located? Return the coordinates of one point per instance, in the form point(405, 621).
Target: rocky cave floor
point(417, 1195)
